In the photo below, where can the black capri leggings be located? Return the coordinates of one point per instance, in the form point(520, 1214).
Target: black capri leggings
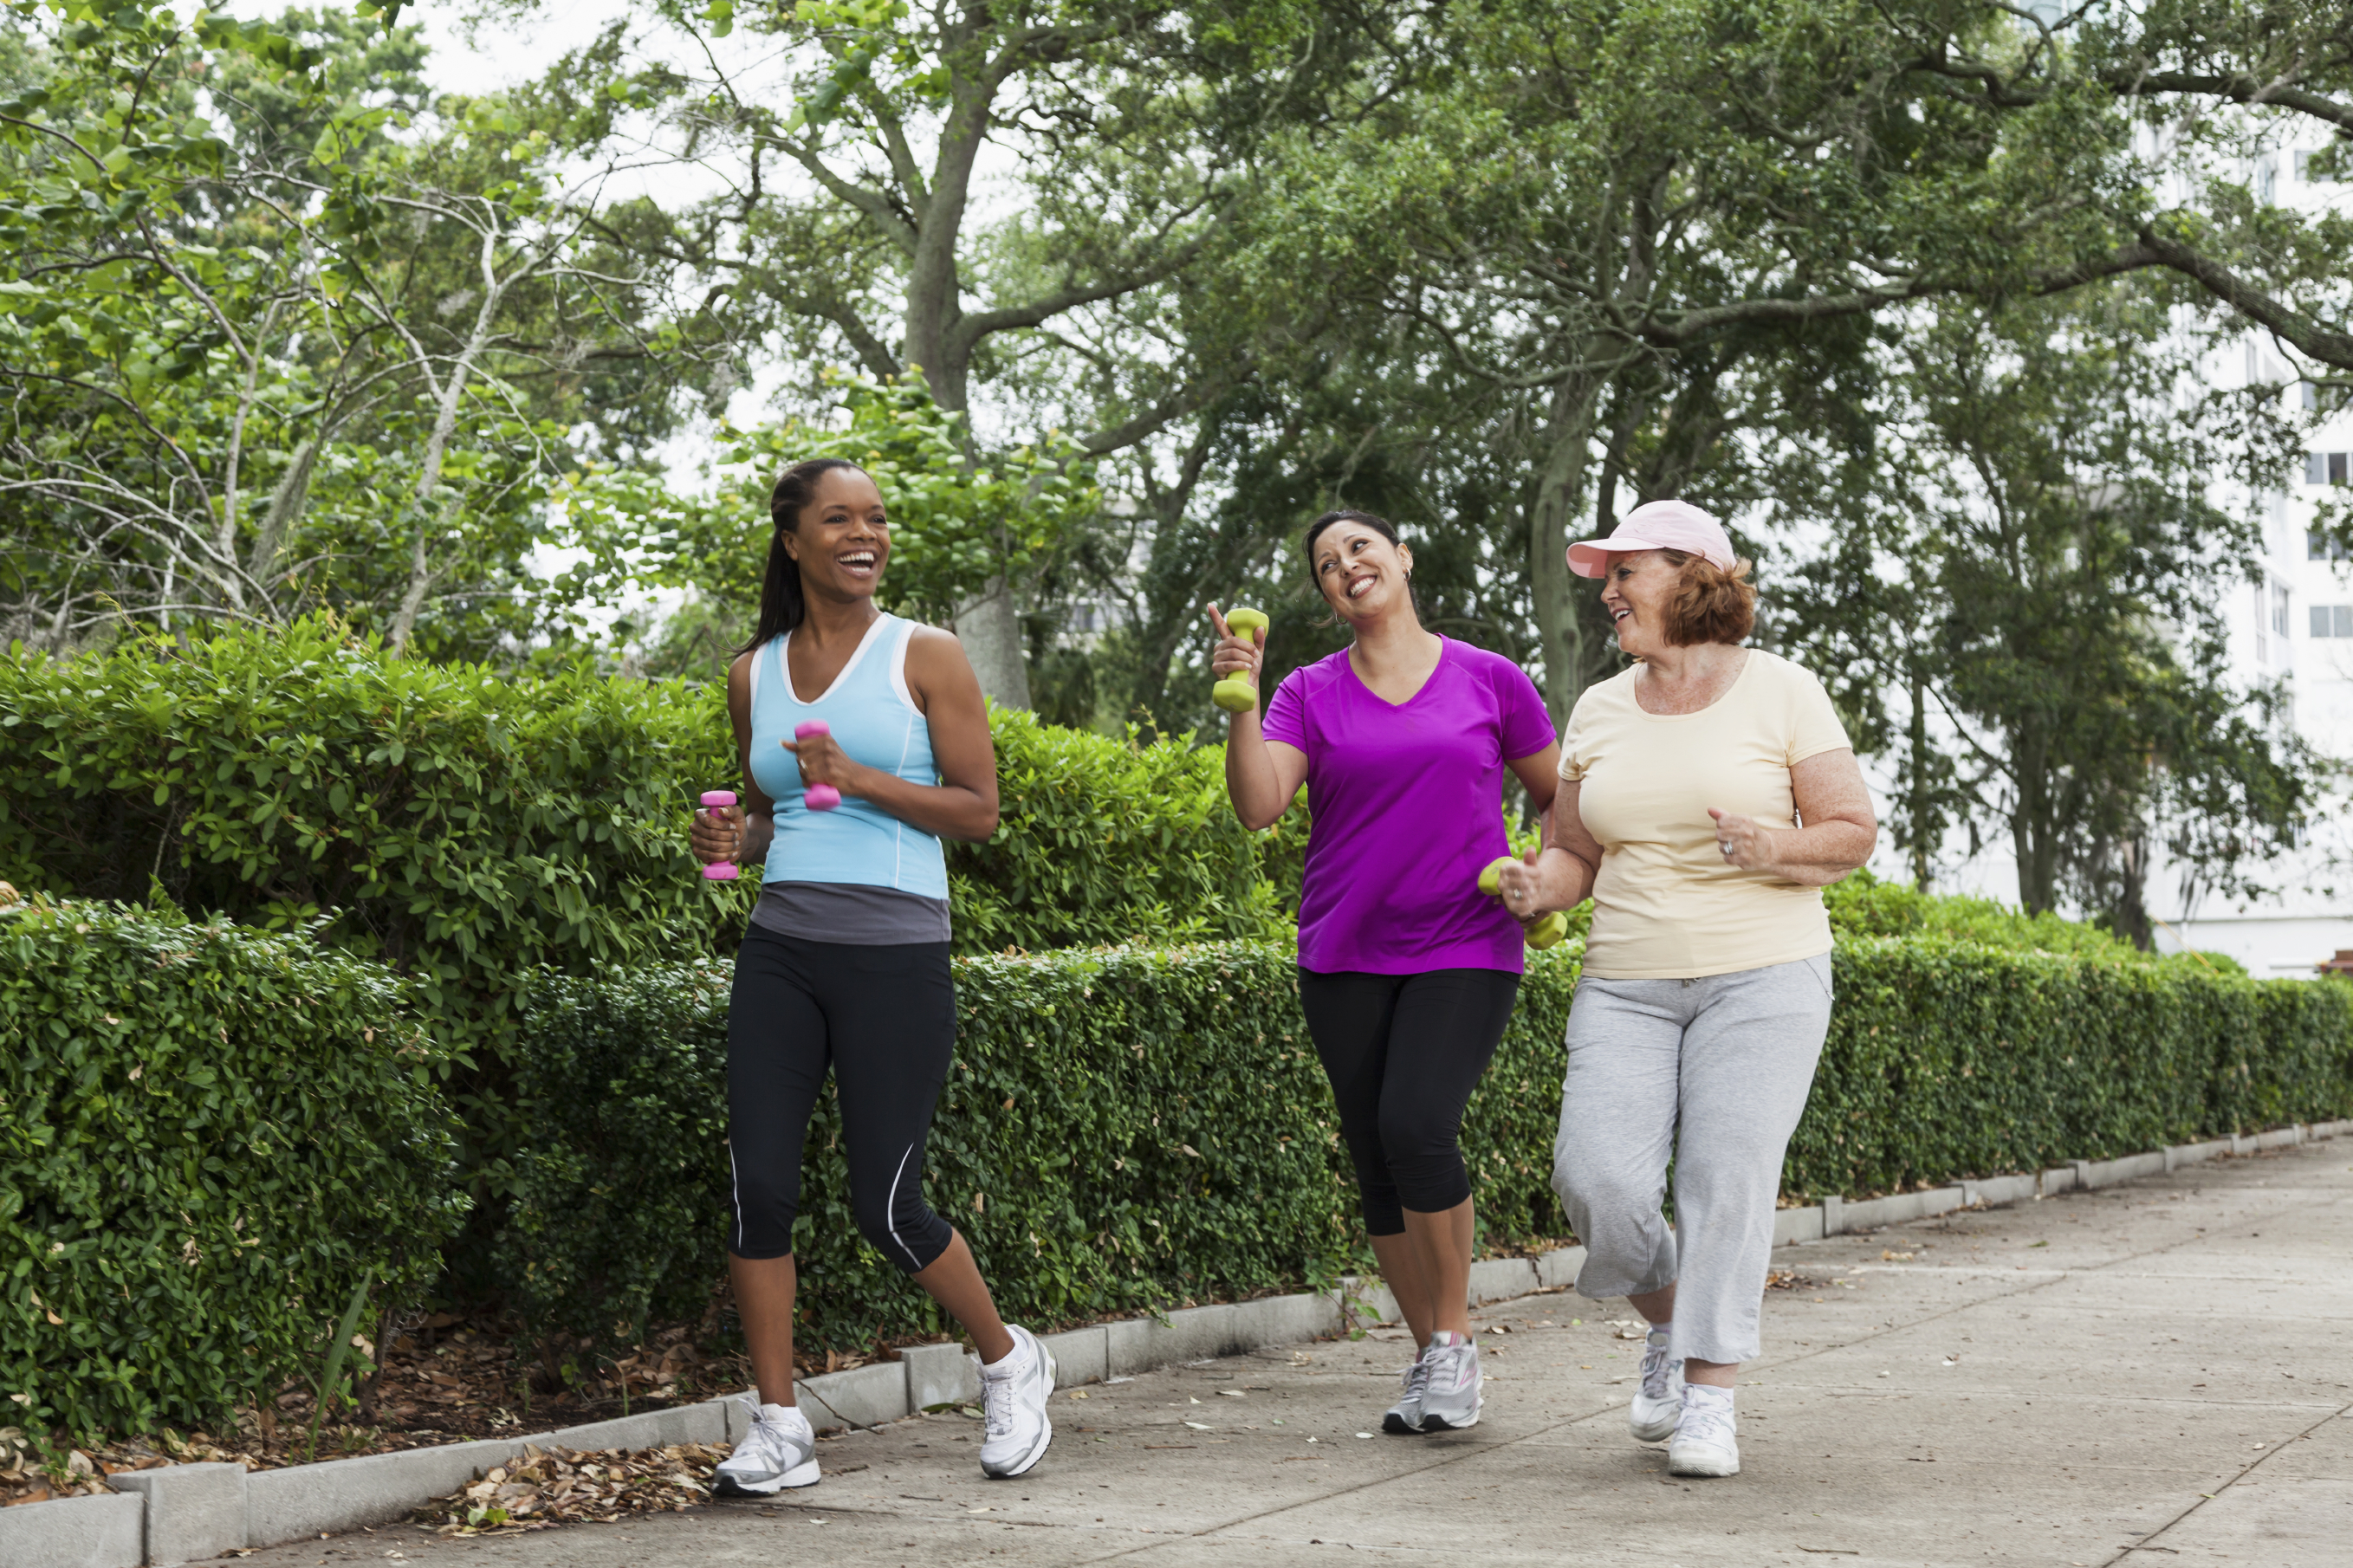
point(1404, 1052)
point(884, 1019)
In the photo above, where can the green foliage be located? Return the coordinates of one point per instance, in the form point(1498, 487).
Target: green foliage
point(461, 825)
point(1951, 1058)
point(2031, 613)
point(1129, 1129)
point(211, 1136)
point(1862, 905)
point(957, 519)
point(1107, 840)
point(282, 330)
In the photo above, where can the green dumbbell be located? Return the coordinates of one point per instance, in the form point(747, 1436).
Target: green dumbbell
point(1237, 692)
point(1547, 932)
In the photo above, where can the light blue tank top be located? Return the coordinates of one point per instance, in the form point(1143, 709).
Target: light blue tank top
point(874, 718)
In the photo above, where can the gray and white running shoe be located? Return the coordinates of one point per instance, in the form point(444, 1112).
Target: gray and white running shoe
point(1658, 1401)
point(1013, 1398)
point(1449, 1401)
point(779, 1451)
point(1705, 1438)
point(1405, 1415)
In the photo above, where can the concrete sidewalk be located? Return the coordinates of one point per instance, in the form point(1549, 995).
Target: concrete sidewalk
point(2156, 1372)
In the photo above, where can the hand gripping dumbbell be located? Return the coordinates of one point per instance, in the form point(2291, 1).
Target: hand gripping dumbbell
point(1237, 692)
point(817, 796)
point(1547, 932)
point(719, 870)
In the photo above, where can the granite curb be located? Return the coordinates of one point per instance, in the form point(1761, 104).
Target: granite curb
point(188, 1512)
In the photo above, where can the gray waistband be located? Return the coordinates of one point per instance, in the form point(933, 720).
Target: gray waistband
point(849, 912)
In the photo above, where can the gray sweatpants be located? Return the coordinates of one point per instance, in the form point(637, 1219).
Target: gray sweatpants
point(1713, 1071)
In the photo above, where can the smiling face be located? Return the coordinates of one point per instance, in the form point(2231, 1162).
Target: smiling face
point(1361, 573)
point(1637, 589)
point(843, 541)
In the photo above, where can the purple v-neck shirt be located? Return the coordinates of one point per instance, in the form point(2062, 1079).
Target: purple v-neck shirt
point(1407, 808)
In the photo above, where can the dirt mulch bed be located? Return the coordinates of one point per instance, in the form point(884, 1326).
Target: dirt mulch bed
point(449, 1380)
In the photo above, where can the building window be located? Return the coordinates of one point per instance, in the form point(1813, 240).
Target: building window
point(2332, 620)
point(2279, 609)
point(2324, 468)
point(2320, 547)
point(2304, 171)
point(2318, 396)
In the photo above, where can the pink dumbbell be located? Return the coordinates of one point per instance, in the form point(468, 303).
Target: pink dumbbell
point(719, 870)
point(820, 796)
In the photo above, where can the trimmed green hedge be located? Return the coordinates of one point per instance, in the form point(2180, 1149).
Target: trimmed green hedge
point(470, 825)
point(1949, 1059)
point(207, 1135)
point(1862, 905)
point(1126, 1129)
point(461, 824)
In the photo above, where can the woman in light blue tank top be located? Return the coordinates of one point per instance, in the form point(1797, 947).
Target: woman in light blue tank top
point(845, 966)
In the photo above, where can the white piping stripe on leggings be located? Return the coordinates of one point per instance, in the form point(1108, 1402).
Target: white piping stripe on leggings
point(735, 1190)
point(891, 1210)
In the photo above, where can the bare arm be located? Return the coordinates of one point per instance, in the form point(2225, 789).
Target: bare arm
point(962, 804)
point(1540, 775)
point(1262, 776)
point(1561, 876)
point(1837, 832)
point(739, 832)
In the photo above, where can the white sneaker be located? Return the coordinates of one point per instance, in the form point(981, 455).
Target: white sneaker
point(1013, 1396)
point(1704, 1443)
point(1658, 1401)
point(779, 1451)
point(1405, 1415)
point(1451, 1401)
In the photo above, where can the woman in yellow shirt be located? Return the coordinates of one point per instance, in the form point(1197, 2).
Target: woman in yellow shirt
point(1707, 796)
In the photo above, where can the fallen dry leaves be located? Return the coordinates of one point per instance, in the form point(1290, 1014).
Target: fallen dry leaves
point(563, 1486)
point(27, 1475)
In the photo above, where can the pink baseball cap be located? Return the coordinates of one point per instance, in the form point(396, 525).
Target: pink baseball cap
point(1655, 525)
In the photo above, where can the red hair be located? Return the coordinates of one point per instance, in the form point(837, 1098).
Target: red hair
point(1711, 604)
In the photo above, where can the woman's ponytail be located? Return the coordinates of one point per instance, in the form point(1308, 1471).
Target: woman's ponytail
point(782, 607)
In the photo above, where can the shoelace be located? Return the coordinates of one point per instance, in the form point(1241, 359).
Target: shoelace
point(1658, 1382)
point(1705, 1421)
point(772, 1438)
point(1450, 1365)
point(996, 1404)
point(1416, 1379)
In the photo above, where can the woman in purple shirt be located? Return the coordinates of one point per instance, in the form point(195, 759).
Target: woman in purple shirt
point(1407, 973)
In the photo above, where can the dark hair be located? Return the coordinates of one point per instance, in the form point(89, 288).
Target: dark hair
point(781, 606)
point(1711, 604)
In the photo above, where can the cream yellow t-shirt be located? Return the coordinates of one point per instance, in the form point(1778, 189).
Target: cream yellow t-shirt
point(1665, 905)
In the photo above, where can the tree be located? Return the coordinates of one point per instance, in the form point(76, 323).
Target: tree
point(954, 526)
point(850, 224)
point(2031, 600)
point(2217, 82)
point(264, 357)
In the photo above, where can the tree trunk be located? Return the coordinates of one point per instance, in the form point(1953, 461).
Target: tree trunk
point(2031, 832)
point(1919, 782)
point(451, 391)
point(990, 630)
point(1559, 501)
point(2130, 916)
